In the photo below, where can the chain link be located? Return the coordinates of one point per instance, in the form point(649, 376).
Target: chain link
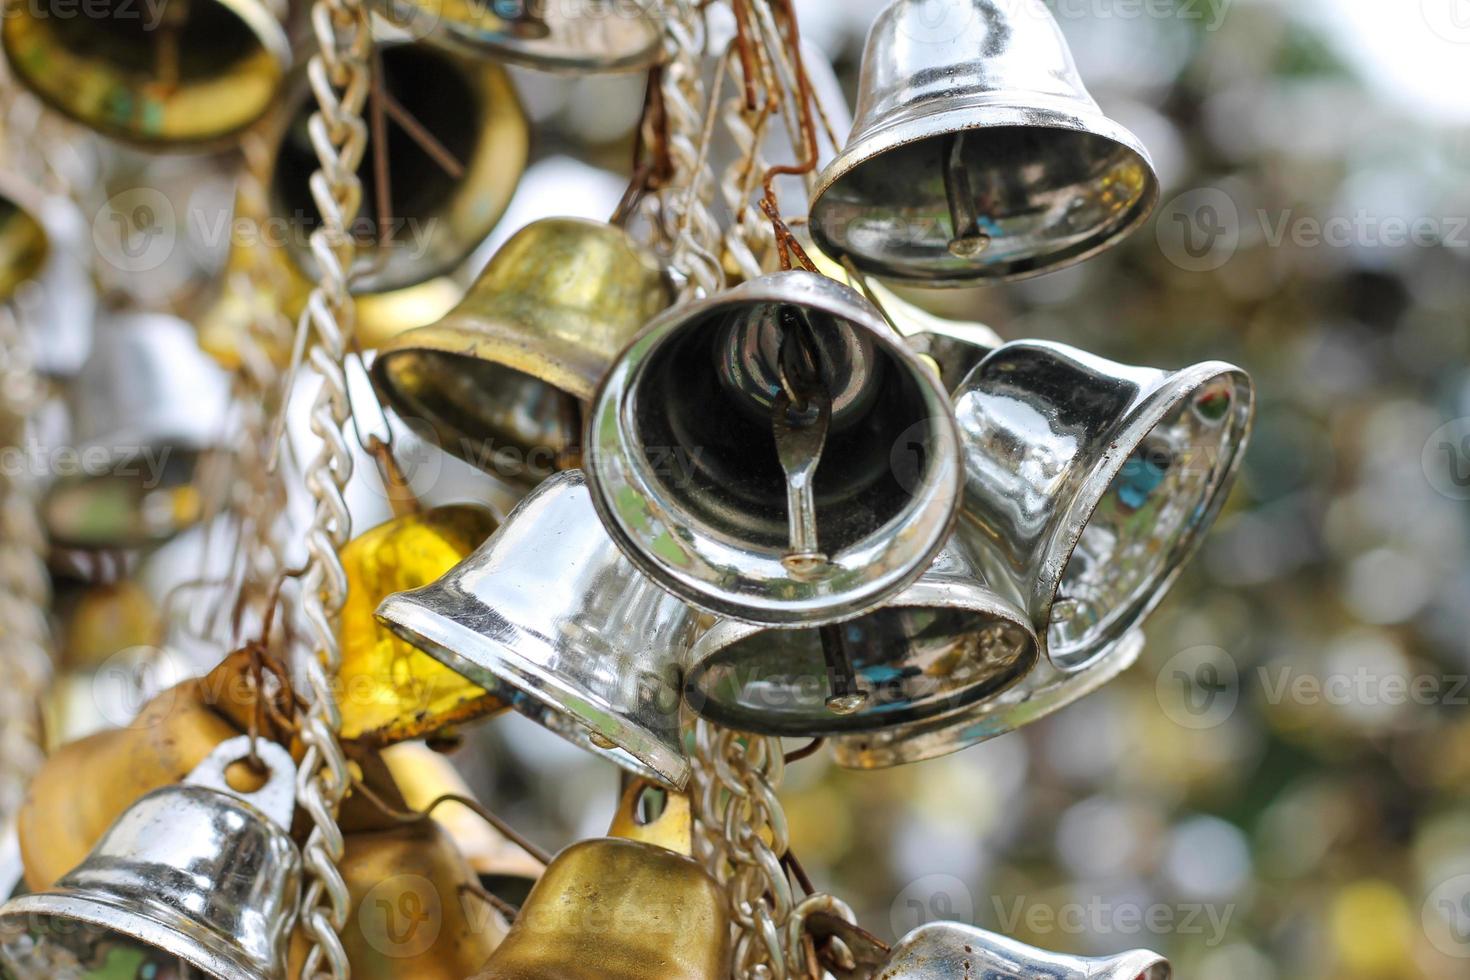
point(339, 75)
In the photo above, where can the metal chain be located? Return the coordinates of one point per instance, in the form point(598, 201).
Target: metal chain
point(741, 836)
point(683, 203)
point(340, 78)
point(749, 241)
point(25, 583)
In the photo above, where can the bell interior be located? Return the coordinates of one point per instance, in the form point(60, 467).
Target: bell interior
point(120, 65)
point(57, 946)
point(127, 505)
point(1041, 196)
point(912, 662)
point(706, 435)
point(502, 420)
point(433, 88)
point(23, 246)
point(1147, 521)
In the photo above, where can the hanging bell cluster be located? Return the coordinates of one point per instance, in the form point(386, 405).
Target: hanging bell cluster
point(798, 505)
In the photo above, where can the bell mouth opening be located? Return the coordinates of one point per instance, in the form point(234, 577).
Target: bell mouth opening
point(24, 247)
point(506, 422)
point(90, 936)
point(998, 202)
point(431, 225)
point(138, 500)
point(540, 695)
point(1143, 514)
point(187, 71)
point(682, 459)
point(906, 662)
point(554, 35)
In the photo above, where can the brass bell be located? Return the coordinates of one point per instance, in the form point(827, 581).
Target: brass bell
point(552, 35)
point(625, 907)
point(389, 690)
point(952, 950)
point(44, 279)
point(1089, 484)
point(775, 453)
point(163, 76)
point(444, 198)
point(149, 411)
point(977, 155)
point(551, 616)
point(1042, 692)
point(502, 378)
point(199, 876)
point(943, 643)
point(172, 734)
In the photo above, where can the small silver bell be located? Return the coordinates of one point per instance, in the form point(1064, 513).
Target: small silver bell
point(148, 409)
point(977, 155)
point(550, 614)
point(952, 950)
point(775, 453)
point(1089, 484)
point(194, 877)
point(945, 642)
point(1042, 692)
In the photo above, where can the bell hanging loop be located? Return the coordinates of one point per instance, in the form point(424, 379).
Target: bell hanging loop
point(977, 154)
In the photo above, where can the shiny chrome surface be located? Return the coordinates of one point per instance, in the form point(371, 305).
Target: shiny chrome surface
point(684, 470)
point(148, 409)
point(44, 249)
point(1089, 484)
point(943, 643)
point(550, 615)
point(977, 154)
point(196, 875)
point(1044, 691)
point(953, 950)
point(501, 379)
point(550, 35)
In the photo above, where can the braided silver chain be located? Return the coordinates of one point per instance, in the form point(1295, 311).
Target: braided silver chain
point(339, 74)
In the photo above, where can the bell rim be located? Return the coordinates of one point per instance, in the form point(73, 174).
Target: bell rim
point(266, 32)
point(1062, 538)
point(995, 110)
point(612, 466)
point(946, 734)
point(160, 927)
point(437, 636)
point(972, 597)
point(444, 33)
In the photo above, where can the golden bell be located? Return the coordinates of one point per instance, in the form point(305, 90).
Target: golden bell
point(402, 278)
point(57, 826)
point(160, 75)
point(625, 907)
point(390, 691)
point(23, 246)
point(502, 377)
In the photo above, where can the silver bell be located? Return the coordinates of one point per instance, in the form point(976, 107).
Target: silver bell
point(194, 877)
point(44, 247)
point(775, 453)
point(944, 643)
point(977, 155)
point(1042, 692)
point(1089, 484)
point(952, 950)
point(148, 409)
point(550, 614)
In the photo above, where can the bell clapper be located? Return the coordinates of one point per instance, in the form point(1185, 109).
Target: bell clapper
point(968, 240)
point(846, 697)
